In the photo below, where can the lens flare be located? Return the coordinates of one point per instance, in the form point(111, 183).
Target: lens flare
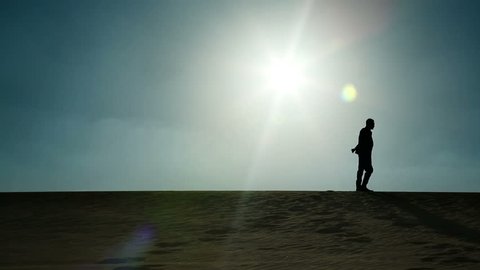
point(349, 93)
point(135, 246)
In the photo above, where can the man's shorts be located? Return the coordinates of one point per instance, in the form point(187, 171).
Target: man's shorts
point(365, 162)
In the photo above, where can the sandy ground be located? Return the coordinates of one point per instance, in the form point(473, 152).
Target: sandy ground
point(239, 230)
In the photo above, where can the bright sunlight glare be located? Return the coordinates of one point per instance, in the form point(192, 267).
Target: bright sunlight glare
point(285, 75)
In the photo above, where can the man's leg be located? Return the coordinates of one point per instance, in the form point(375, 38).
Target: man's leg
point(368, 173)
point(359, 178)
point(360, 172)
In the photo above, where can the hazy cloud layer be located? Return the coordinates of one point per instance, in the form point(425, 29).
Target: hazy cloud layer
point(133, 95)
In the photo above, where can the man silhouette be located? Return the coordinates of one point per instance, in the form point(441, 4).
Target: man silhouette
point(364, 152)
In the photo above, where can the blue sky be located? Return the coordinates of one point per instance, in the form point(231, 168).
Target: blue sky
point(169, 95)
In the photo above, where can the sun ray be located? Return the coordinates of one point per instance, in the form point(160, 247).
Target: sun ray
point(299, 27)
point(284, 76)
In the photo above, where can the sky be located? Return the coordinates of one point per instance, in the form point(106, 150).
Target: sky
point(238, 95)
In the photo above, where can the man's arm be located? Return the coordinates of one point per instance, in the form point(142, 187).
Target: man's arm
point(362, 141)
point(357, 148)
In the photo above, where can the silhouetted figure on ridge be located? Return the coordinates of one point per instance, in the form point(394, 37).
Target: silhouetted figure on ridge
point(364, 152)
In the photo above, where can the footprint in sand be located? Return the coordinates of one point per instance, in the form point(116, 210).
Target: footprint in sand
point(133, 268)
point(460, 259)
point(122, 260)
point(143, 267)
point(168, 247)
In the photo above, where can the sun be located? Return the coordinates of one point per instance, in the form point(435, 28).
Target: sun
point(285, 75)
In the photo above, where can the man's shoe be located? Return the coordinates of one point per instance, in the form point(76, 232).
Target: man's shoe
point(366, 189)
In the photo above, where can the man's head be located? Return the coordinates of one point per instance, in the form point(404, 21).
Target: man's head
point(370, 123)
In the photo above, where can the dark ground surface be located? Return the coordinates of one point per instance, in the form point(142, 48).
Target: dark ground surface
point(239, 230)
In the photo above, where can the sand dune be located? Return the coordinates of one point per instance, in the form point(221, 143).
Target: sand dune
point(239, 230)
